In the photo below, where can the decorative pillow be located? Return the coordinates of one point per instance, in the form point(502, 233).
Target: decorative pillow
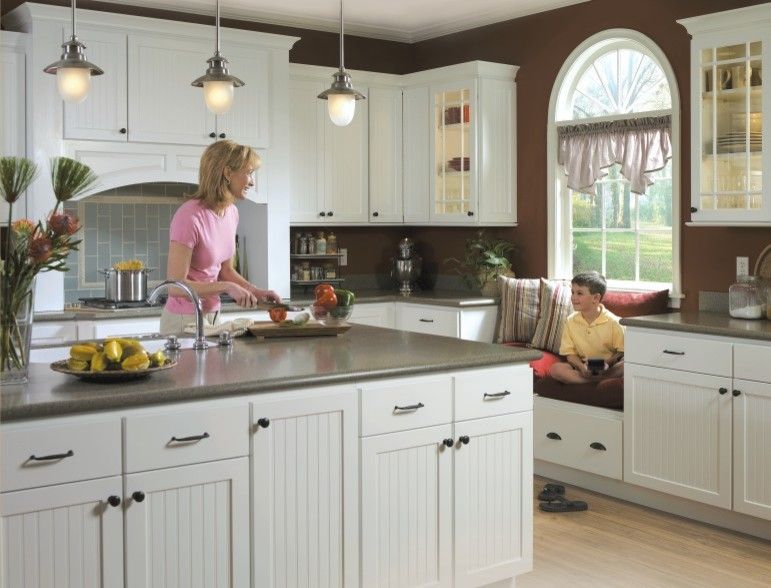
point(519, 309)
point(555, 308)
point(625, 304)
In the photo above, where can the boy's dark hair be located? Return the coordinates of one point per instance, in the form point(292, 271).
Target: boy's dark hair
point(592, 280)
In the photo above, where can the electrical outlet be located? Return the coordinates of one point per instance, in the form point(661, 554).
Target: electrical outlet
point(344, 258)
point(742, 266)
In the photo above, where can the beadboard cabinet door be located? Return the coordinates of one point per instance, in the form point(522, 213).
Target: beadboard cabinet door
point(406, 489)
point(493, 508)
point(13, 61)
point(385, 154)
point(64, 535)
point(188, 526)
point(752, 448)
point(677, 433)
point(305, 485)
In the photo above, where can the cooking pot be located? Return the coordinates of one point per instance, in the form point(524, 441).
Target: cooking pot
point(125, 285)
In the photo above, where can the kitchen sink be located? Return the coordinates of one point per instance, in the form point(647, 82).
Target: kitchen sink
point(151, 343)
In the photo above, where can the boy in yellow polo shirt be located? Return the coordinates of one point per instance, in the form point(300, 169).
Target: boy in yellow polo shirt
point(590, 333)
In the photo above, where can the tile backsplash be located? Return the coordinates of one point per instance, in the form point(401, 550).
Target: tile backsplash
point(131, 222)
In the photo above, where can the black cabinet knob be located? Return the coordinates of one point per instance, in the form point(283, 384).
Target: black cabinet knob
point(114, 500)
point(138, 496)
point(322, 214)
point(263, 422)
point(329, 213)
point(723, 391)
point(736, 392)
point(448, 442)
point(470, 213)
point(555, 436)
point(222, 135)
point(694, 209)
point(213, 135)
point(123, 131)
point(598, 446)
point(464, 439)
point(375, 213)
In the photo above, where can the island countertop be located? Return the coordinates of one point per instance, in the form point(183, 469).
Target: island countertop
point(258, 365)
point(704, 323)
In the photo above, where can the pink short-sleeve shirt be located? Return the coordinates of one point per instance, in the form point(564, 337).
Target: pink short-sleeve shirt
point(212, 238)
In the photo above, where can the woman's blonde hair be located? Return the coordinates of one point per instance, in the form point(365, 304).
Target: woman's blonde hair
point(212, 184)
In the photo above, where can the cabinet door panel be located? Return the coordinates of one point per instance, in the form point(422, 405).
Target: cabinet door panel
point(306, 142)
point(65, 535)
point(191, 528)
point(12, 114)
point(406, 509)
point(417, 164)
point(306, 492)
point(164, 67)
point(752, 449)
point(385, 154)
point(493, 499)
point(103, 113)
point(677, 433)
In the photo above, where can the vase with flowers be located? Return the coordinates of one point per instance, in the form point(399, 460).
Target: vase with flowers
point(30, 248)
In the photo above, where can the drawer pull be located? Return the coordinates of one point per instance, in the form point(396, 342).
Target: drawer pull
point(189, 439)
point(736, 392)
point(448, 442)
point(114, 500)
point(554, 436)
point(670, 352)
point(598, 446)
point(426, 320)
point(263, 422)
point(722, 390)
point(464, 439)
point(138, 496)
point(410, 407)
point(497, 394)
point(52, 457)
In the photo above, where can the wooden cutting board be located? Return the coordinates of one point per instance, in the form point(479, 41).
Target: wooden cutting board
point(309, 329)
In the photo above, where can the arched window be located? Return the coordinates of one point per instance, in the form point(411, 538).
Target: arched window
point(620, 219)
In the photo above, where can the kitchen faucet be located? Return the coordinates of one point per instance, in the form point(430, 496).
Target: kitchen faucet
point(200, 340)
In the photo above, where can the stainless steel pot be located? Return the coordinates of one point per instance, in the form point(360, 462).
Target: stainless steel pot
point(125, 285)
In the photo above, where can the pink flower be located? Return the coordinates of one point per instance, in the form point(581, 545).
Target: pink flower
point(40, 249)
point(23, 227)
point(63, 223)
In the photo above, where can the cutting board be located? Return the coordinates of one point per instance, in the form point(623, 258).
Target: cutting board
point(309, 329)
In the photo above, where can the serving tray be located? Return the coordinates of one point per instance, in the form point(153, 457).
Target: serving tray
point(269, 329)
point(109, 375)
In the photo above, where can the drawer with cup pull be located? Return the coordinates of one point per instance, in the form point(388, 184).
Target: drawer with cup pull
point(679, 352)
point(405, 403)
point(431, 320)
point(155, 441)
point(493, 391)
point(59, 452)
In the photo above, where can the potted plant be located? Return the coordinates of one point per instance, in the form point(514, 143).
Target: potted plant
point(485, 258)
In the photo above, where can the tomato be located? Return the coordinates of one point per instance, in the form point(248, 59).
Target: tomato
point(277, 314)
point(323, 289)
point(328, 300)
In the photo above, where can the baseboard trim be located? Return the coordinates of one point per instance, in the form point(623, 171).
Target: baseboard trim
point(675, 505)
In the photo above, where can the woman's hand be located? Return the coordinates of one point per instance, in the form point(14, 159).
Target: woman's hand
point(242, 296)
point(267, 295)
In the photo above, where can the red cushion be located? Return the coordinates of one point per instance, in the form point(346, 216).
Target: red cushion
point(541, 366)
point(625, 304)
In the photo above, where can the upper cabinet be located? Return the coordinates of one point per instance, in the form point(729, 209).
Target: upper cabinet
point(385, 154)
point(12, 127)
point(728, 102)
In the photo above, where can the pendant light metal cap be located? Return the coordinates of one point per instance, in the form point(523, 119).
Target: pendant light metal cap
point(217, 72)
point(341, 84)
point(73, 57)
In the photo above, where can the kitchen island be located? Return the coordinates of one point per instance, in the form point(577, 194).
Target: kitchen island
point(378, 456)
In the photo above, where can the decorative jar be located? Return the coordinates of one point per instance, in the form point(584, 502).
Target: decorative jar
point(745, 298)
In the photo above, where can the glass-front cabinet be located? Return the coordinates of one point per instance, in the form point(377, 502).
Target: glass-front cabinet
point(728, 105)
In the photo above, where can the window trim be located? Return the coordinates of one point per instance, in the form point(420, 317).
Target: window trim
point(574, 66)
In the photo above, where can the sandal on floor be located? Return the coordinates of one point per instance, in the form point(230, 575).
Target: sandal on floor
point(551, 491)
point(562, 504)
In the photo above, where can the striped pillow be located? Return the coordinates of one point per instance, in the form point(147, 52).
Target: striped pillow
point(555, 308)
point(519, 309)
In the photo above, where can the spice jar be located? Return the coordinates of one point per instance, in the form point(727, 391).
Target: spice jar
point(311, 243)
point(321, 243)
point(330, 273)
point(331, 243)
point(745, 300)
point(305, 274)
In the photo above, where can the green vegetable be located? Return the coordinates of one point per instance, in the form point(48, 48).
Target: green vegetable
point(344, 297)
point(301, 318)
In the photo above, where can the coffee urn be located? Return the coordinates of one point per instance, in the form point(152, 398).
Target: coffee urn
point(406, 267)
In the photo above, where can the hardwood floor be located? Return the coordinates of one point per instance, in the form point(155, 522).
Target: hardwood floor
point(620, 544)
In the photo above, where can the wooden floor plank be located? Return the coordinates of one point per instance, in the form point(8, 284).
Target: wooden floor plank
point(620, 544)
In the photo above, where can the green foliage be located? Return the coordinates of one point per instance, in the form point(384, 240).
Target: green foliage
point(16, 174)
point(70, 178)
point(655, 255)
point(484, 259)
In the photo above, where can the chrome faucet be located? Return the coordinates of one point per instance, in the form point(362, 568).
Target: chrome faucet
point(200, 340)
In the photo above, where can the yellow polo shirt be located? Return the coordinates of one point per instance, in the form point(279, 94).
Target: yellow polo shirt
point(601, 339)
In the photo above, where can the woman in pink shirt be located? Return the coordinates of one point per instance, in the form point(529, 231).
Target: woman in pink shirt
point(202, 238)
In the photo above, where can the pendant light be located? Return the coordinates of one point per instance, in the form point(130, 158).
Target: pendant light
point(217, 83)
point(341, 96)
point(73, 72)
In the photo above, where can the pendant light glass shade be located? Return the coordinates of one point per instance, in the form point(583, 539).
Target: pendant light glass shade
point(217, 83)
point(341, 96)
point(73, 71)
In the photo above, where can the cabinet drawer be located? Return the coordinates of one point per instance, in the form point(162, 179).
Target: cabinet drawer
point(691, 354)
point(490, 392)
point(50, 332)
point(388, 406)
point(126, 328)
point(430, 320)
point(180, 438)
point(87, 450)
point(565, 436)
point(751, 362)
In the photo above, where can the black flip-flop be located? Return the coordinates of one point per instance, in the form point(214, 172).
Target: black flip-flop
point(562, 504)
point(551, 491)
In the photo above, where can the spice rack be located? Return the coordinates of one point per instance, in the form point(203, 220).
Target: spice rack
point(309, 269)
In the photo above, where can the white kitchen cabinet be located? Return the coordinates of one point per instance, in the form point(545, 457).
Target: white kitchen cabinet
point(416, 130)
point(374, 314)
point(188, 525)
point(751, 443)
point(52, 332)
point(67, 534)
point(493, 504)
point(133, 327)
point(407, 508)
point(305, 490)
point(13, 61)
point(385, 154)
point(473, 323)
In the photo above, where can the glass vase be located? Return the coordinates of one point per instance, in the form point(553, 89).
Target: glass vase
point(15, 335)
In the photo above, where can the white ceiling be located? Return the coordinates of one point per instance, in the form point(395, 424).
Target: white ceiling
point(398, 20)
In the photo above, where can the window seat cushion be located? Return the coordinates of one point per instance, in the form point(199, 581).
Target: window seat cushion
point(606, 393)
point(541, 366)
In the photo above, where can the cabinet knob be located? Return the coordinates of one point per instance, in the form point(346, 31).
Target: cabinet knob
point(464, 439)
point(123, 131)
point(222, 135)
point(598, 446)
point(138, 496)
point(553, 435)
point(694, 209)
point(213, 135)
point(448, 442)
point(114, 500)
point(470, 213)
point(375, 213)
point(263, 422)
point(736, 392)
point(329, 213)
point(723, 391)
point(322, 214)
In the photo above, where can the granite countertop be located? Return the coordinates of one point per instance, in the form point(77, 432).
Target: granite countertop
point(705, 323)
point(454, 298)
point(258, 365)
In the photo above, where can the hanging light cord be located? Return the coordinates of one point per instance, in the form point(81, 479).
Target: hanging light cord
point(73, 19)
point(217, 29)
point(342, 54)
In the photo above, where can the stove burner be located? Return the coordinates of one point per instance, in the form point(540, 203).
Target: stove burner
point(106, 304)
